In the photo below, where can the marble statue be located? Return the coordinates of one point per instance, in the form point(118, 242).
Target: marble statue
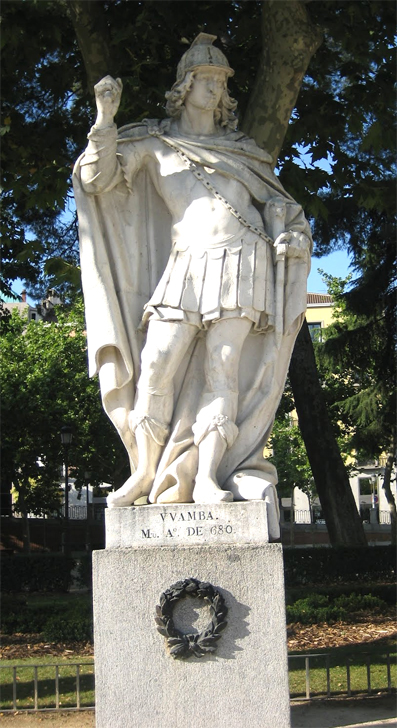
point(194, 263)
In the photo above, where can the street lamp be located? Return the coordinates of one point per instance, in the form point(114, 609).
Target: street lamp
point(66, 440)
point(87, 477)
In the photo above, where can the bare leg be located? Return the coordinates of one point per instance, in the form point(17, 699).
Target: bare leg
point(224, 342)
point(166, 345)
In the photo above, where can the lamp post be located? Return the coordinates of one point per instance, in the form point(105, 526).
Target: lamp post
point(66, 439)
point(87, 477)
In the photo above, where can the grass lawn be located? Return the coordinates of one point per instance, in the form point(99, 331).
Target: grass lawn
point(352, 663)
point(356, 656)
point(46, 683)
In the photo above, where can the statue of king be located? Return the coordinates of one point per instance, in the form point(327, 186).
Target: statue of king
point(194, 264)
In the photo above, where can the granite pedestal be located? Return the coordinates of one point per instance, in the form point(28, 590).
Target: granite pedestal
point(138, 682)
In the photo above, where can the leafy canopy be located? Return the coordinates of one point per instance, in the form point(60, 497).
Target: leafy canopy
point(44, 386)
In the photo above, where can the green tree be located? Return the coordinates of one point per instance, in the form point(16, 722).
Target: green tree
point(358, 363)
point(290, 458)
point(44, 385)
point(293, 467)
point(315, 85)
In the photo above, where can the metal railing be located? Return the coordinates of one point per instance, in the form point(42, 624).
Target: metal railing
point(302, 517)
point(48, 693)
point(316, 679)
point(327, 673)
point(79, 513)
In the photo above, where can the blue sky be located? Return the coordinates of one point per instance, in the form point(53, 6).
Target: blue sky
point(336, 264)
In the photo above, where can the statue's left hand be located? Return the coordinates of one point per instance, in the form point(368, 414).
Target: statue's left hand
point(298, 244)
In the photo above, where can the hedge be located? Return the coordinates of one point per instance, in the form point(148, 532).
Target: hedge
point(343, 565)
point(303, 567)
point(316, 608)
point(60, 619)
point(38, 572)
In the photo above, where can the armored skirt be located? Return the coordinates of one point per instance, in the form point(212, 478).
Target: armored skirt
point(230, 280)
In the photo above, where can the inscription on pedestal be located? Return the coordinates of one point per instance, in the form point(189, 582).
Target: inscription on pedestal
point(188, 524)
point(218, 523)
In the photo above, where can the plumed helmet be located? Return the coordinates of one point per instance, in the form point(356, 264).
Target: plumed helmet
point(202, 53)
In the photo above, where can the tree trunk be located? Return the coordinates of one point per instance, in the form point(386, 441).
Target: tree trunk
point(289, 39)
point(389, 496)
point(332, 482)
point(92, 37)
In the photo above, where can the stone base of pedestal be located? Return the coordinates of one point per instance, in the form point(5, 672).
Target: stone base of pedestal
point(138, 682)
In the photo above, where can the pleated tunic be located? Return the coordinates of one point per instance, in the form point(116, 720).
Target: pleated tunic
point(207, 283)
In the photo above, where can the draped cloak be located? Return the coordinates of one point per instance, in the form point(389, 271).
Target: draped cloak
point(125, 242)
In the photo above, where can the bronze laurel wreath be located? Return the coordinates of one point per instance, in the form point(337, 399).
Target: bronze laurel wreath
point(182, 645)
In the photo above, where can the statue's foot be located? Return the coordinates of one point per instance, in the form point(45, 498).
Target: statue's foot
point(207, 490)
point(180, 493)
point(135, 487)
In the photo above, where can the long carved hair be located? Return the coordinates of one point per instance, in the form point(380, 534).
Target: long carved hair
point(224, 114)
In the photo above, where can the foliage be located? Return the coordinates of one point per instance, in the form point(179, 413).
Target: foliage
point(72, 629)
point(59, 620)
point(44, 385)
point(344, 120)
point(357, 363)
point(358, 366)
point(316, 608)
point(44, 572)
point(48, 108)
point(347, 182)
point(290, 458)
point(339, 565)
point(39, 136)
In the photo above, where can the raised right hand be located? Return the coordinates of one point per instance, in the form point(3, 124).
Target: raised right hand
point(107, 96)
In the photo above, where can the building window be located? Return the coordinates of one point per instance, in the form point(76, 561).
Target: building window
point(315, 332)
point(33, 317)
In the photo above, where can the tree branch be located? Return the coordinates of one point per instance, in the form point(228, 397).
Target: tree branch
point(289, 41)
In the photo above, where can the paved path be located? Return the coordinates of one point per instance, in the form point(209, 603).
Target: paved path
point(374, 712)
point(371, 712)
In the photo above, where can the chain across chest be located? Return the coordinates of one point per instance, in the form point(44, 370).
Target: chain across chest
point(204, 180)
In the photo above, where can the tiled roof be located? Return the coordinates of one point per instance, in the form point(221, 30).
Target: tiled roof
point(318, 298)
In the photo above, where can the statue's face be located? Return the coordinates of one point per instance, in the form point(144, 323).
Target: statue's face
point(206, 89)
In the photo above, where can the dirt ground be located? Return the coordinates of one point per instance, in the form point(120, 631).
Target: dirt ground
point(371, 712)
point(379, 629)
point(84, 719)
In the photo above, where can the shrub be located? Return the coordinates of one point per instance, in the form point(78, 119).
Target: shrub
point(316, 608)
point(61, 619)
point(68, 629)
point(38, 572)
point(25, 620)
point(339, 565)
